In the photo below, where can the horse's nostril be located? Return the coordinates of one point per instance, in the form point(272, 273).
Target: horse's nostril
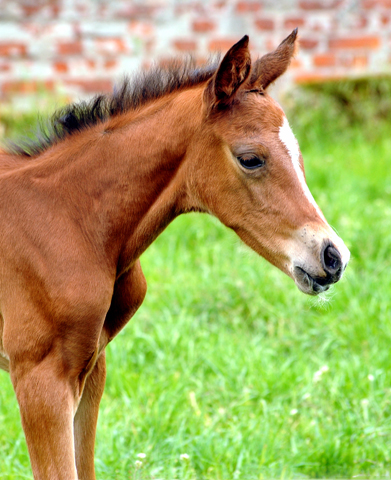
point(331, 259)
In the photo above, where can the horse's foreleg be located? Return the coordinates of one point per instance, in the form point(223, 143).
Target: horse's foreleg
point(47, 403)
point(129, 293)
point(86, 418)
point(50, 361)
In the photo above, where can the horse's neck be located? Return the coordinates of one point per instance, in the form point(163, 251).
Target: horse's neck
point(133, 169)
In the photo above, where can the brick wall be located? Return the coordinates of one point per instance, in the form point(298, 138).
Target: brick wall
point(82, 46)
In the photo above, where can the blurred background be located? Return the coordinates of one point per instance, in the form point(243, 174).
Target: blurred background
point(80, 47)
point(227, 371)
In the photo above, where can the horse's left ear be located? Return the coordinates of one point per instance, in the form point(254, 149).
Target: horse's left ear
point(233, 71)
point(269, 67)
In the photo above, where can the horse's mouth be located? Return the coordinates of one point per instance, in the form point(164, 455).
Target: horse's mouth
point(311, 285)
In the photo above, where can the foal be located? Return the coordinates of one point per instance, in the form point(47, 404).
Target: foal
point(79, 206)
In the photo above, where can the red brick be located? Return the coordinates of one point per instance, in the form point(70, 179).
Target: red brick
point(308, 77)
point(26, 87)
point(110, 64)
point(360, 61)
point(370, 4)
point(144, 29)
point(356, 61)
point(294, 22)
point(12, 49)
point(264, 24)
point(47, 84)
point(29, 10)
point(370, 42)
point(90, 63)
point(361, 22)
point(70, 48)
point(60, 67)
point(245, 7)
point(5, 67)
point(19, 87)
point(142, 11)
point(185, 45)
point(324, 60)
point(221, 45)
point(318, 5)
point(32, 27)
point(308, 43)
point(202, 26)
point(314, 77)
point(133, 10)
point(81, 10)
point(110, 46)
point(55, 9)
point(93, 86)
point(296, 63)
point(102, 11)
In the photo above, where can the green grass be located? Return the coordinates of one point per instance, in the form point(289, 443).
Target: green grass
point(220, 362)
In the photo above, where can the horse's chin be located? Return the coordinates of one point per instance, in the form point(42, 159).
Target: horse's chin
point(309, 284)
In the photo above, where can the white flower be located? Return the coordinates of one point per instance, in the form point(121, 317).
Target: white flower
point(294, 411)
point(141, 455)
point(138, 464)
point(318, 374)
point(184, 456)
point(364, 402)
point(371, 378)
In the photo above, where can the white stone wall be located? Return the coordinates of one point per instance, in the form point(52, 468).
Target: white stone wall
point(80, 47)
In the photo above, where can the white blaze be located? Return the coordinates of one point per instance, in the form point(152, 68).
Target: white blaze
point(289, 140)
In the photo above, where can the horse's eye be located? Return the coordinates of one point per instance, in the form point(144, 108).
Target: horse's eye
point(251, 161)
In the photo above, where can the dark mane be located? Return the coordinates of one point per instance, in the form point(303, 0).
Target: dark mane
point(129, 95)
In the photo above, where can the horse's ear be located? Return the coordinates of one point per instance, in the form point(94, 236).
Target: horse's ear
point(233, 70)
point(269, 67)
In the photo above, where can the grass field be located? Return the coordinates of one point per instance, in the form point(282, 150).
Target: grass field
point(229, 372)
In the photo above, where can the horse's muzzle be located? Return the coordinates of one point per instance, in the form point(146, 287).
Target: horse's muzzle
point(332, 269)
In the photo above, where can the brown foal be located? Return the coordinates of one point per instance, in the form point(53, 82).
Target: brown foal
point(80, 205)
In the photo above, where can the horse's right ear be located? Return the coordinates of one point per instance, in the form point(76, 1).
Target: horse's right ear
point(233, 70)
